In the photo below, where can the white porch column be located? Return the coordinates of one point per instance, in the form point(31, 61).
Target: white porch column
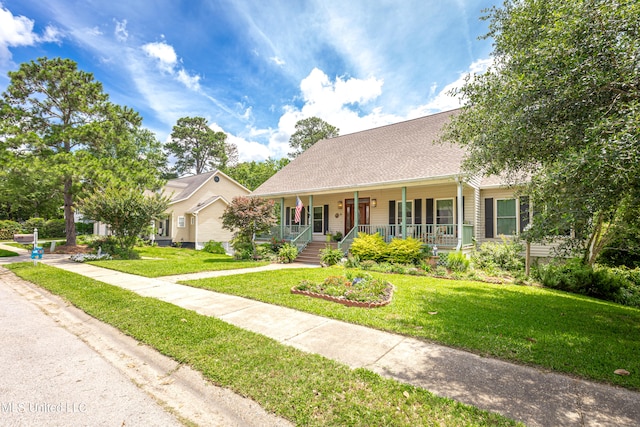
point(310, 209)
point(356, 211)
point(404, 212)
point(283, 220)
point(460, 214)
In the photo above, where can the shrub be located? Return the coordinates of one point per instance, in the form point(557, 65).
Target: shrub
point(505, 256)
point(404, 251)
point(82, 228)
point(213, 247)
point(56, 228)
point(574, 276)
point(287, 253)
point(109, 245)
point(369, 246)
point(9, 228)
point(38, 223)
point(276, 244)
point(330, 256)
point(243, 249)
point(457, 261)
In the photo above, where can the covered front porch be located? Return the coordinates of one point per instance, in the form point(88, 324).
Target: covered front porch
point(442, 214)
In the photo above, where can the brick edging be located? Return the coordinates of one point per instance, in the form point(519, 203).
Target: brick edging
point(346, 302)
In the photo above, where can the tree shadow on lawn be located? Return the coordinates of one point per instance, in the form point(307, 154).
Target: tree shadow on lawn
point(565, 332)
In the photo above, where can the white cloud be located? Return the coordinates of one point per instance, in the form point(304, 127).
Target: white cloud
point(164, 53)
point(121, 31)
point(167, 59)
point(18, 31)
point(278, 61)
point(444, 100)
point(247, 150)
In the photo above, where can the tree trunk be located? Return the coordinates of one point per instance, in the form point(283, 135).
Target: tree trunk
point(70, 224)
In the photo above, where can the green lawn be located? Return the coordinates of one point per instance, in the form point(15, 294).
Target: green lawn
point(530, 325)
point(305, 388)
point(5, 253)
point(170, 261)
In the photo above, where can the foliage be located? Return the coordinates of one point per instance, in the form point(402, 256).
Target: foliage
point(618, 285)
point(506, 255)
point(214, 247)
point(111, 246)
point(82, 228)
point(404, 251)
point(56, 121)
point(287, 253)
point(196, 147)
point(248, 216)
point(253, 174)
point(457, 261)
point(308, 132)
point(353, 286)
point(369, 247)
point(32, 223)
point(56, 228)
point(127, 211)
point(276, 244)
point(9, 228)
point(337, 236)
point(561, 104)
point(330, 256)
point(89, 257)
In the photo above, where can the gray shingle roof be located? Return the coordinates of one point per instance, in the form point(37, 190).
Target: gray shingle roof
point(401, 152)
point(182, 188)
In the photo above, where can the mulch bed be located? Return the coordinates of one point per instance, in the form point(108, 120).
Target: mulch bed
point(64, 249)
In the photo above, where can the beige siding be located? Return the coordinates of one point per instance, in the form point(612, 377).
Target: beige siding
point(210, 224)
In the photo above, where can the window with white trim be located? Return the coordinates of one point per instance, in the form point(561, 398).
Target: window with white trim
point(409, 212)
point(181, 222)
point(506, 217)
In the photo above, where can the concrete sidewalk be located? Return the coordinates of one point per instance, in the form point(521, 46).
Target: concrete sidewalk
point(533, 396)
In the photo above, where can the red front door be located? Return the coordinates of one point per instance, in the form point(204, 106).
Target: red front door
point(349, 214)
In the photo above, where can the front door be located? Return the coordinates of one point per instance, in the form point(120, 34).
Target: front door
point(349, 214)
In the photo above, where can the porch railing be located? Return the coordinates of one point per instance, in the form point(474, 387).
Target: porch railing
point(346, 241)
point(431, 234)
point(303, 238)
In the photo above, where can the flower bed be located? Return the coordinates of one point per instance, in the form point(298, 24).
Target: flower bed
point(355, 289)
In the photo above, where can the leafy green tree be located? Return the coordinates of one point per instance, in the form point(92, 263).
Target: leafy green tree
point(253, 174)
point(248, 216)
point(197, 148)
point(561, 108)
point(127, 210)
point(58, 117)
point(308, 132)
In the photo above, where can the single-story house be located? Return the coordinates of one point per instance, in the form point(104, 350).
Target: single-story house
point(396, 180)
point(195, 209)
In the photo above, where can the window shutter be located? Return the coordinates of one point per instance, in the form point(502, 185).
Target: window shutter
point(429, 213)
point(392, 216)
point(287, 219)
point(303, 216)
point(326, 219)
point(463, 209)
point(418, 211)
point(524, 212)
point(488, 218)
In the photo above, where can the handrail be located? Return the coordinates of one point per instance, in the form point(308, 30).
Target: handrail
point(347, 240)
point(302, 240)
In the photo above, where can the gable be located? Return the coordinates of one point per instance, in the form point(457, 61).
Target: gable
point(399, 153)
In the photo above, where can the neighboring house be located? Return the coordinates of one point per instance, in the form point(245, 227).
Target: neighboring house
point(396, 180)
point(195, 210)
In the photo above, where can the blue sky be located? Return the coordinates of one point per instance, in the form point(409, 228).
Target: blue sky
point(254, 68)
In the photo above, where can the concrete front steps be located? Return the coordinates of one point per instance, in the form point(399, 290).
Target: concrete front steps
point(311, 254)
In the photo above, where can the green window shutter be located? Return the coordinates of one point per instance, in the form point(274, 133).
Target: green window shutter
point(326, 219)
point(288, 217)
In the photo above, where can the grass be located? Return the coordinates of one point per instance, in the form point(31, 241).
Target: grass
point(170, 261)
point(5, 253)
point(564, 332)
point(305, 388)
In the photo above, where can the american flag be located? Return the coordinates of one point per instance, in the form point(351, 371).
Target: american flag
point(299, 206)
